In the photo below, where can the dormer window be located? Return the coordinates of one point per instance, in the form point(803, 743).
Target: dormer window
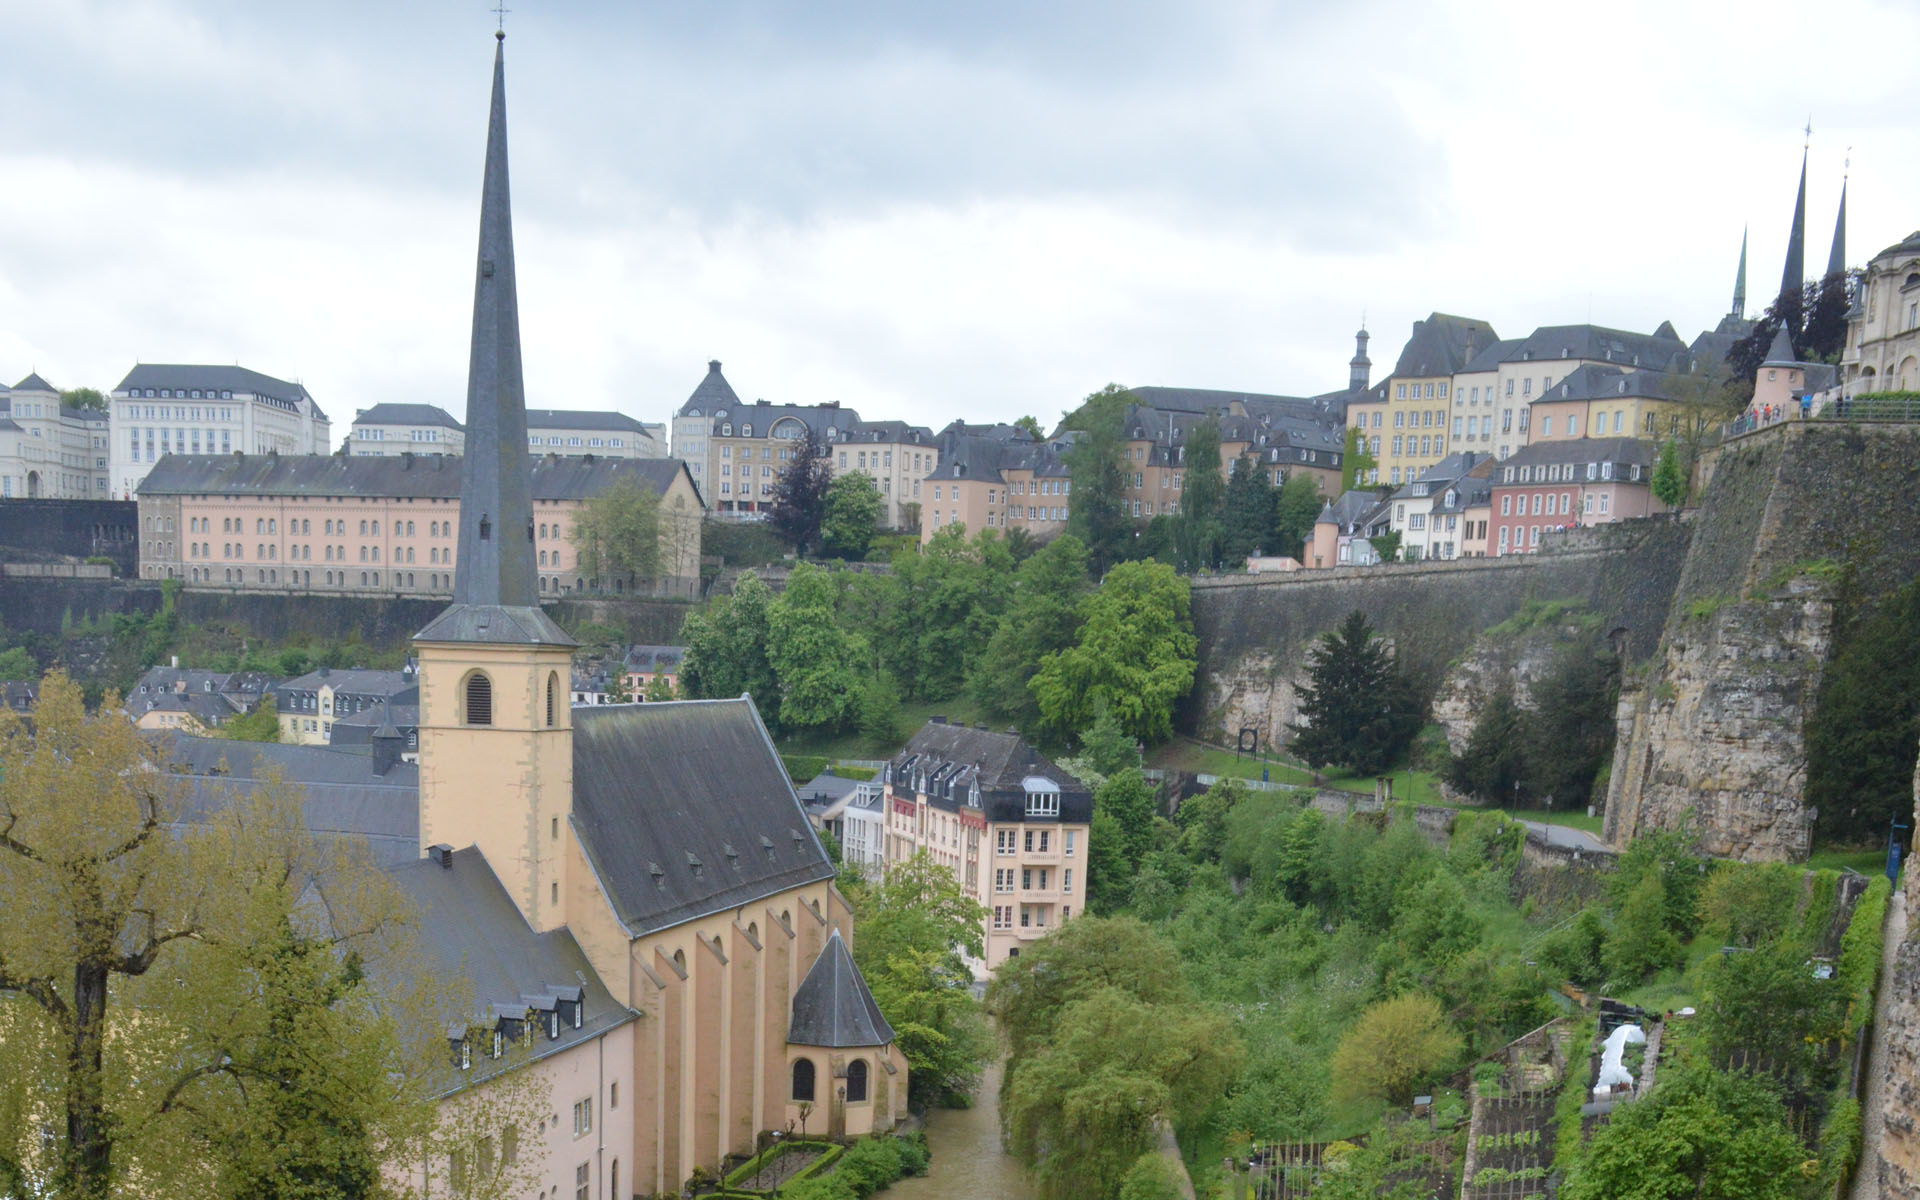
point(466, 1055)
point(553, 1024)
point(746, 431)
point(1043, 796)
point(499, 1044)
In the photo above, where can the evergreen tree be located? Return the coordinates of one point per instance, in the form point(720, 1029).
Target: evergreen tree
point(1098, 515)
point(1359, 711)
point(1669, 479)
point(1490, 766)
point(1248, 520)
point(1865, 727)
point(1297, 506)
point(1197, 529)
point(1570, 734)
point(800, 495)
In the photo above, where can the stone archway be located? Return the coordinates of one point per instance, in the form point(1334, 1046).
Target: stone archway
point(33, 485)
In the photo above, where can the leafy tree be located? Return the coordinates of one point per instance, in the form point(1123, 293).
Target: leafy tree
point(17, 666)
point(617, 534)
point(1490, 766)
point(617, 690)
point(659, 688)
point(1386, 545)
point(1151, 1177)
point(1765, 1002)
point(850, 516)
point(879, 712)
point(1135, 655)
point(1395, 1044)
point(1031, 426)
point(1098, 515)
point(1701, 1134)
point(1106, 748)
point(1824, 335)
point(1668, 857)
point(1355, 462)
point(1640, 943)
point(1571, 728)
point(85, 398)
point(1575, 951)
point(914, 926)
point(800, 494)
point(1028, 996)
point(1669, 480)
point(1865, 726)
point(1203, 819)
point(260, 725)
point(1296, 507)
point(943, 606)
point(727, 648)
point(1155, 542)
point(1109, 873)
point(1359, 711)
point(1248, 518)
point(815, 659)
point(1197, 529)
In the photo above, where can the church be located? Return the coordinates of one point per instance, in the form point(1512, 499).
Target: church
point(631, 890)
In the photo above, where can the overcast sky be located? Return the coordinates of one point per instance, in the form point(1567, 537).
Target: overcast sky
point(922, 211)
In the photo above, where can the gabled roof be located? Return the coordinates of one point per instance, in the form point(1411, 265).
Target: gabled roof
point(684, 809)
point(1442, 344)
point(712, 393)
point(946, 762)
point(1598, 381)
point(407, 414)
point(582, 418)
point(1661, 350)
point(1583, 450)
point(832, 1006)
point(33, 383)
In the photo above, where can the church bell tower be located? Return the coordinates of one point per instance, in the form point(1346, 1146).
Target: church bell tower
point(496, 741)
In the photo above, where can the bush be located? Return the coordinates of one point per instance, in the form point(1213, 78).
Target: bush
point(1151, 1177)
point(802, 767)
point(1860, 953)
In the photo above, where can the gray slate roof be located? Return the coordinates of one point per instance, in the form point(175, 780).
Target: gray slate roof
point(832, 1006)
point(34, 383)
point(1597, 381)
point(1443, 344)
point(495, 624)
point(582, 418)
point(1626, 450)
point(684, 809)
point(238, 380)
point(713, 392)
point(1495, 353)
point(407, 414)
point(1661, 350)
point(948, 760)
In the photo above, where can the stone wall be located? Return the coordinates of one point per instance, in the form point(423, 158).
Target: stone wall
point(38, 530)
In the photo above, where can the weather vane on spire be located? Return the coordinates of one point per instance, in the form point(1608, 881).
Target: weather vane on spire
point(500, 11)
point(1809, 132)
point(1846, 164)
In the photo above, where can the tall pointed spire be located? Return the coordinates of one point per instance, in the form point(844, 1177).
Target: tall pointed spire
point(1794, 277)
point(1837, 257)
point(495, 597)
point(1740, 282)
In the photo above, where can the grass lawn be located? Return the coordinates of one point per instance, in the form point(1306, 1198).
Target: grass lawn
point(1872, 861)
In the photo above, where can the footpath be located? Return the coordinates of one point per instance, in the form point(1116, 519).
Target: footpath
point(1873, 1112)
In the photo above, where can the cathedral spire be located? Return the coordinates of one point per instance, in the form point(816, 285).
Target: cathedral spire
point(1837, 258)
point(1740, 282)
point(495, 562)
point(1794, 277)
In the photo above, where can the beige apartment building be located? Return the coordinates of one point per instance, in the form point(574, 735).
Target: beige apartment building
point(1602, 401)
point(336, 524)
point(1420, 393)
point(896, 456)
point(1529, 370)
point(1009, 823)
point(50, 450)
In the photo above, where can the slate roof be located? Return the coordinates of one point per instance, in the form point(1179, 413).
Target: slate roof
point(945, 762)
point(1436, 477)
point(495, 624)
point(420, 476)
point(889, 431)
point(34, 383)
point(1598, 381)
point(1629, 451)
point(477, 933)
point(355, 681)
point(1358, 509)
point(407, 414)
point(1495, 353)
point(238, 380)
point(684, 810)
point(1467, 492)
point(713, 392)
point(1780, 353)
point(209, 710)
point(582, 418)
point(1443, 344)
point(832, 1006)
point(830, 421)
point(1661, 350)
point(654, 658)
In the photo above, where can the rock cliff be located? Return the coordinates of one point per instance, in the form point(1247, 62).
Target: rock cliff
point(1898, 1163)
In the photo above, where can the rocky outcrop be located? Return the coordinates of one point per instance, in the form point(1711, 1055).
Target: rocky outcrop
point(1713, 740)
point(1502, 660)
point(1898, 1156)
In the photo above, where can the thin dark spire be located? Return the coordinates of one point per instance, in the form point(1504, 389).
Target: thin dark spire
point(1794, 277)
point(1837, 257)
point(495, 564)
point(1740, 281)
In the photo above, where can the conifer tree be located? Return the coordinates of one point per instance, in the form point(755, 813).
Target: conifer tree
point(1358, 710)
point(800, 495)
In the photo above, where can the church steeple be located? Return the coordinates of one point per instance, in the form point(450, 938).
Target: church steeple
point(1740, 282)
point(1794, 277)
point(1837, 257)
point(1360, 367)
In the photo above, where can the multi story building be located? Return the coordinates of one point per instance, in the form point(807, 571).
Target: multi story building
point(602, 434)
point(854, 811)
point(50, 450)
point(1882, 353)
point(1419, 392)
point(1427, 512)
point(644, 664)
point(996, 477)
point(1342, 535)
point(1010, 824)
point(896, 456)
point(161, 409)
point(338, 524)
point(1561, 484)
point(1477, 424)
point(391, 429)
point(309, 706)
point(1603, 401)
point(1529, 370)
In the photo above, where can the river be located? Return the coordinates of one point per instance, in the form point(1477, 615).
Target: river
point(968, 1163)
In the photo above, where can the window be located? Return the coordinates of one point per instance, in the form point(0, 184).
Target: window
point(1066, 880)
point(1069, 849)
point(553, 689)
point(583, 1181)
point(583, 1117)
point(803, 1079)
point(1003, 841)
point(479, 700)
point(857, 1081)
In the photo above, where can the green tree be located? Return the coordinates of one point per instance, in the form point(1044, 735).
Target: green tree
point(1490, 766)
point(1865, 726)
point(617, 690)
point(1098, 516)
point(1028, 996)
point(1669, 479)
point(17, 666)
point(1766, 1003)
point(1248, 518)
point(727, 652)
point(1030, 425)
point(1155, 542)
point(815, 659)
point(1640, 942)
point(260, 725)
point(1386, 545)
point(84, 398)
point(1151, 1177)
point(1355, 462)
point(1106, 748)
point(1197, 529)
point(1041, 618)
point(1296, 508)
point(1701, 1134)
point(944, 603)
point(1359, 711)
point(1680, 873)
point(617, 534)
point(1135, 655)
point(659, 688)
point(914, 926)
point(1396, 1043)
point(1570, 731)
point(800, 494)
point(850, 516)
point(879, 712)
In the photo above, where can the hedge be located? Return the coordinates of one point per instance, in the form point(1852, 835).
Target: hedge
point(1860, 947)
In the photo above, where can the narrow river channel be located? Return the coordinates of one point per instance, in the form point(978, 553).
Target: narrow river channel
point(968, 1163)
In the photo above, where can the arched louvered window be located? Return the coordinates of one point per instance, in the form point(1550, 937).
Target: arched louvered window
point(803, 1080)
point(553, 690)
point(479, 700)
point(857, 1081)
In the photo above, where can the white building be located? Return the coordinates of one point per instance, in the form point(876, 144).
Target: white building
point(391, 429)
point(162, 409)
point(587, 431)
point(1427, 512)
point(48, 450)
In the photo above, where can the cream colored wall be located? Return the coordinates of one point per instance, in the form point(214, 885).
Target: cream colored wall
point(891, 466)
point(521, 765)
point(1473, 399)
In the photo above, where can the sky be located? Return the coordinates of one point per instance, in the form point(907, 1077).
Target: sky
point(925, 212)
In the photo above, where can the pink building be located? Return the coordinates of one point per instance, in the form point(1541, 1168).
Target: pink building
point(1559, 484)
